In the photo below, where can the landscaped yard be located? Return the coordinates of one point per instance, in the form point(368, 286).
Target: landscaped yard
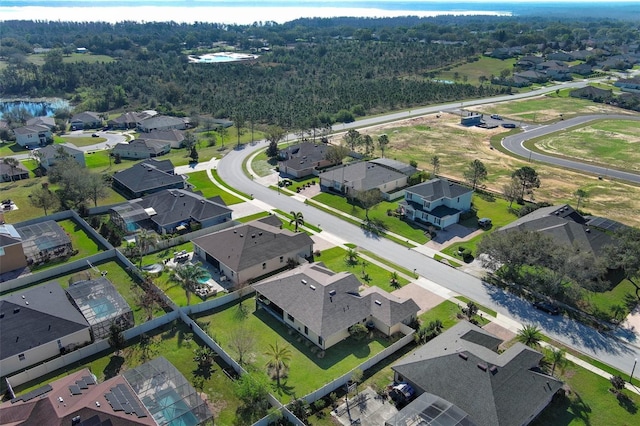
point(307, 371)
point(379, 212)
point(201, 182)
point(177, 344)
point(335, 259)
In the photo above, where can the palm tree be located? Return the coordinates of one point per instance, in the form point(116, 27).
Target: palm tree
point(435, 162)
point(530, 335)
point(351, 257)
point(279, 357)
point(470, 311)
point(394, 281)
point(298, 219)
point(145, 240)
point(12, 163)
point(557, 359)
point(189, 275)
point(580, 194)
point(383, 141)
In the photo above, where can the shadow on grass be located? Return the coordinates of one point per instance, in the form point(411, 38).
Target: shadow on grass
point(283, 388)
point(627, 403)
point(113, 368)
point(564, 410)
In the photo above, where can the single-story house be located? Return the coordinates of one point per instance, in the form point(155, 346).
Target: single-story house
point(509, 388)
point(44, 241)
point(349, 179)
point(174, 137)
point(141, 148)
point(129, 120)
point(248, 251)
point(565, 225)
point(581, 69)
point(147, 177)
point(161, 122)
point(101, 305)
point(436, 201)
point(37, 324)
point(9, 174)
point(321, 304)
point(50, 122)
point(86, 120)
point(154, 393)
point(11, 252)
point(50, 154)
point(592, 93)
point(34, 135)
point(628, 84)
point(303, 159)
point(169, 211)
point(398, 166)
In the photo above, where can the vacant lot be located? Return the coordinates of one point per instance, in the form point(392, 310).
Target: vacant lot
point(612, 143)
point(456, 146)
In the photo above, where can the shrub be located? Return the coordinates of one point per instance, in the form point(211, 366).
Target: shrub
point(358, 331)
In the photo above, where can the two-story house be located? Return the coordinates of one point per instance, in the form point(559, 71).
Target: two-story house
point(436, 201)
point(34, 135)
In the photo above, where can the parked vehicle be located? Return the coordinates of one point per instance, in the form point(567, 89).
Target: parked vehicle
point(484, 223)
point(496, 117)
point(547, 307)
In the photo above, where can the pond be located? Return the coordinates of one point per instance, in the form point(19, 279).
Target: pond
point(34, 108)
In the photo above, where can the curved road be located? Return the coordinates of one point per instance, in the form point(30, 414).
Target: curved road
point(515, 144)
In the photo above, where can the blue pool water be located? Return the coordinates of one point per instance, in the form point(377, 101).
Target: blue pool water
point(174, 411)
point(102, 308)
point(205, 279)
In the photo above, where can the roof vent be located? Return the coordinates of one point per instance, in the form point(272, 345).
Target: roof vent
point(312, 287)
point(587, 230)
point(181, 194)
point(26, 302)
point(303, 282)
point(493, 369)
point(482, 367)
point(23, 296)
point(241, 235)
point(332, 293)
point(235, 231)
point(253, 235)
point(97, 403)
point(16, 310)
point(259, 233)
point(1, 314)
point(379, 303)
point(463, 355)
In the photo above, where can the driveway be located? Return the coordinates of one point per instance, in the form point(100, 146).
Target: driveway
point(453, 234)
point(423, 298)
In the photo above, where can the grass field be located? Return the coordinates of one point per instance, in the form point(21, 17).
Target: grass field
point(177, 344)
point(201, 182)
point(610, 143)
point(484, 66)
point(307, 371)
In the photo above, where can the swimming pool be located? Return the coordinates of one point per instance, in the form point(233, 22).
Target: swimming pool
point(102, 308)
point(205, 279)
point(173, 411)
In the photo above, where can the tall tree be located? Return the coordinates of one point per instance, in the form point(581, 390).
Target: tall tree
point(624, 253)
point(557, 358)
point(335, 153)
point(13, 164)
point(238, 122)
point(145, 240)
point(274, 135)
point(383, 141)
point(580, 194)
point(367, 141)
point(435, 164)
point(297, 219)
point(511, 191)
point(368, 199)
point(528, 179)
point(353, 139)
point(529, 335)
point(243, 341)
point(96, 187)
point(279, 357)
point(475, 174)
point(116, 338)
point(44, 199)
point(189, 276)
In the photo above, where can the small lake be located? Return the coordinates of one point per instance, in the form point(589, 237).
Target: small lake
point(35, 108)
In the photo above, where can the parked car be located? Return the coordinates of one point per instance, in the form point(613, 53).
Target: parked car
point(402, 391)
point(496, 117)
point(547, 307)
point(95, 135)
point(509, 125)
point(484, 223)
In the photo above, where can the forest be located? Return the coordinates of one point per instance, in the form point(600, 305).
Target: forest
point(309, 70)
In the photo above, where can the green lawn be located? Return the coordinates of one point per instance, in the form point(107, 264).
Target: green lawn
point(379, 212)
point(177, 344)
point(291, 226)
point(11, 148)
point(605, 300)
point(226, 185)
point(334, 259)
point(201, 182)
point(80, 141)
point(484, 66)
point(263, 165)
point(446, 312)
point(307, 371)
point(253, 217)
point(465, 300)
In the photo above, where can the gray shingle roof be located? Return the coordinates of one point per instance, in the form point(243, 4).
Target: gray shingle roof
point(34, 128)
point(328, 302)
point(141, 145)
point(396, 165)
point(250, 244)
point(42, 121)
point(176, 205)
point(362, 176)
point(437, 188)
point(505, 391)
point(51, 151)
point(48, 316)
point(144, 176)
point(303, 155)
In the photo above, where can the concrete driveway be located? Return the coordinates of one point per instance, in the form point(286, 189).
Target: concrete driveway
point(423, 298)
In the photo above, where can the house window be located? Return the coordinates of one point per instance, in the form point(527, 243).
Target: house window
point(264, 266)
point(408, 195)
point(306, 330)
point(290, 317)
point(458, 199)
point(426, 205)
point(320, 342)
point(281, 259)
point(21, 357)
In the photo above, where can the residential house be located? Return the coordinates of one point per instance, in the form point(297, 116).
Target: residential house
point(532, 76)
point(50, 154)
point(32, 136)
point(398, 166)
point(436, 201)
point(174, 137)
point(509, 388)
point(321, 304)
point(129, 120)
point(147, 177)
point(581, 69)
point(86, 120)
point(248, 251)
point(628, 84)
point(529, 61)
point(9, 174)
point(37, 324)
point(50, 122)
point(161, 122)
point(169, 211)
point(565, 225)
point(559, 56)
point(351, 178)
point(141, 148)
point(303, 159)
point(11, 253)
point(101, 305)
point(592, 93)
point(44, 241)
point(152, 394)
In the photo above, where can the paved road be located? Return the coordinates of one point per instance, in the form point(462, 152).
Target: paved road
point(515, 144)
